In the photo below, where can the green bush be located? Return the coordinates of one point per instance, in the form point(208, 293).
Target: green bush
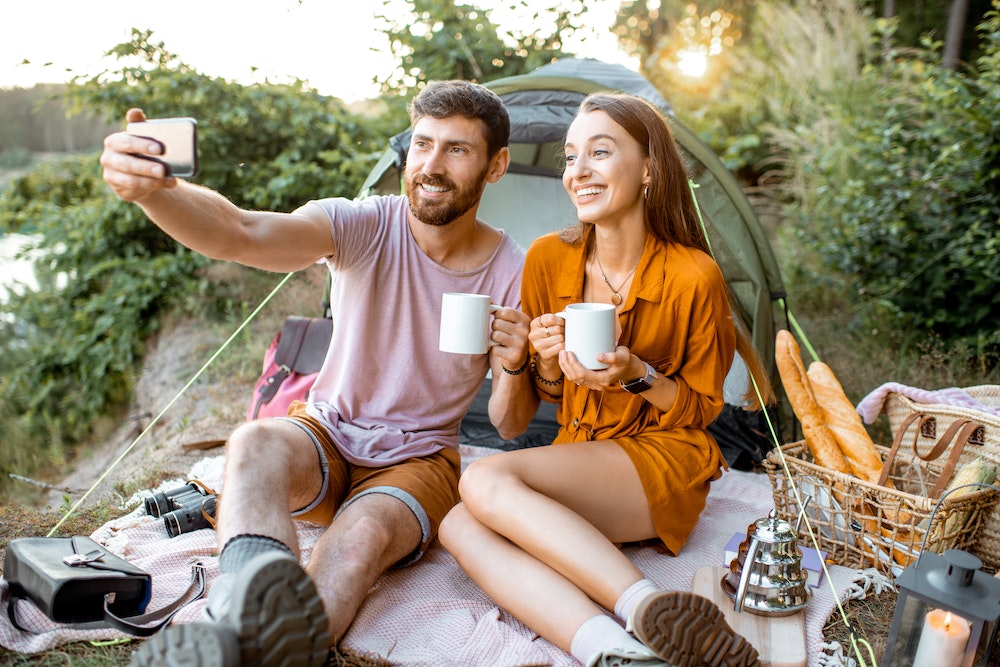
point(70, 352)
point(915, 220)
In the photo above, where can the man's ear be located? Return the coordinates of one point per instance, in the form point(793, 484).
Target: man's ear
point(498, 165)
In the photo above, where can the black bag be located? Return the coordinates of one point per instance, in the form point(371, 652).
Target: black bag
point(76, 580)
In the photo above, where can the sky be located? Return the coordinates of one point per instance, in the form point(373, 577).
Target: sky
point(334, 45)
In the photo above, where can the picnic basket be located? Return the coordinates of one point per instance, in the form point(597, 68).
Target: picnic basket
point(934, 419)
point(860, 524)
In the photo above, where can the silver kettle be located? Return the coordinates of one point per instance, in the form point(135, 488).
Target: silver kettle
point(766, 576)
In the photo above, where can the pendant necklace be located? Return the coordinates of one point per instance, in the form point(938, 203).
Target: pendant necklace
point(616, 297)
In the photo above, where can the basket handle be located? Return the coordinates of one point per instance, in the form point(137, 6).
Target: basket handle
point(964, 429)
point(959, 433)
point(898, 440)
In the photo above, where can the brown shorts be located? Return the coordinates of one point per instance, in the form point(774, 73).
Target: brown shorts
point(428, 485)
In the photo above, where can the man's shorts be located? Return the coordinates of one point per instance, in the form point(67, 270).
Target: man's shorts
point(428, 485)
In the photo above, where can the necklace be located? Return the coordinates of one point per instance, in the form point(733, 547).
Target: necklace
point(616, 297)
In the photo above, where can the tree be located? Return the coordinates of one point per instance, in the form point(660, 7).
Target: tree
point(444, 39)
point(70, 351)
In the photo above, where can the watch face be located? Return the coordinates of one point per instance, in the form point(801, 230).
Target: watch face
point(639, 385)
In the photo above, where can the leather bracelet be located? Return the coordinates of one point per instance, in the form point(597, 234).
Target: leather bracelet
point(520, 370)
point(538, 376)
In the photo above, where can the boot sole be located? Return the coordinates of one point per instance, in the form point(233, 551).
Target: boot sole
point(189, 645)
point(688, 630)
point(278, 615)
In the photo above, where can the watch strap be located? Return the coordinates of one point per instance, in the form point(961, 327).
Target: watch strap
point(640, 384)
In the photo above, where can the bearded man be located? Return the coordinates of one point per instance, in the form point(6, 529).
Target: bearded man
point(373, 453)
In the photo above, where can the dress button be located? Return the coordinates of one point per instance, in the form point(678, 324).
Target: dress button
point(576, 423)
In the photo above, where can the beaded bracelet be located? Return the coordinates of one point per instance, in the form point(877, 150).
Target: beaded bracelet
point(538, 376)
point(520, 370)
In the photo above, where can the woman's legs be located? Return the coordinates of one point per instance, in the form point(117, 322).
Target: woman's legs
point(537, 527)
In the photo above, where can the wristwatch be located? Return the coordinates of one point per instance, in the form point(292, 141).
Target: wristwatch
point(639, 385)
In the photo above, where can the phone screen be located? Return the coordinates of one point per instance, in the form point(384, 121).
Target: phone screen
point(179, 137)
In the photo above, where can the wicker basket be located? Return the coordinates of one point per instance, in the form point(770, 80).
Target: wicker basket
point(985, 443)
point(859, 524)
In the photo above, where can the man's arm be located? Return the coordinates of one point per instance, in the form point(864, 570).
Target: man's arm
point(513, 401)
point(203, 219)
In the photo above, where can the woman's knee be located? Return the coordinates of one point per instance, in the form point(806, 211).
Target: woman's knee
point(484, 486)
point(456, 528)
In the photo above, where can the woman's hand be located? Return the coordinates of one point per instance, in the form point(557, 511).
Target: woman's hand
point(620, 367)
point(547, 336)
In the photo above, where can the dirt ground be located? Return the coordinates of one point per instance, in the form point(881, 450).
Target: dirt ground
point(171, 410)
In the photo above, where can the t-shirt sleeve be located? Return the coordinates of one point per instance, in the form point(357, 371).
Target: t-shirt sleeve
point(355, 226)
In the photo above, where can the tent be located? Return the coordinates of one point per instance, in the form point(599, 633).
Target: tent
point(530, 201)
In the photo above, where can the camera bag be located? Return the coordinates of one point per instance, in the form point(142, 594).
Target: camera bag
point(291, 363)
point(75, 580)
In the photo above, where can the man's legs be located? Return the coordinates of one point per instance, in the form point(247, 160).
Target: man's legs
point(372, 534)
point(265, 608)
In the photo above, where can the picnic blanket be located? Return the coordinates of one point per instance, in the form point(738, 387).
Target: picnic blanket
point(429, 613)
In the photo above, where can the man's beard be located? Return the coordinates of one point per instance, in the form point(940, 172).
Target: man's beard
point(442, 213)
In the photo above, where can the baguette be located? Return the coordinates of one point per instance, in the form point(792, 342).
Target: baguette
point(819, 438)
point(844, 421)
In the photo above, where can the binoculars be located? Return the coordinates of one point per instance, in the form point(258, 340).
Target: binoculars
point(184, 509)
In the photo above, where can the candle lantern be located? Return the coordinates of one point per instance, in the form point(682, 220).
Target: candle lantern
point(946, 613)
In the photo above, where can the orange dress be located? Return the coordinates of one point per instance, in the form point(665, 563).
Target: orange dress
point(677, 318)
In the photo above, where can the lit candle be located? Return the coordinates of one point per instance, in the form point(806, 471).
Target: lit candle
point(942, 641)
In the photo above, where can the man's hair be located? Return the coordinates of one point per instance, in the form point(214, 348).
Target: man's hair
point(444, 99)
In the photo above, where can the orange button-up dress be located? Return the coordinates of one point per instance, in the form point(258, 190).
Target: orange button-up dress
point(677, 318)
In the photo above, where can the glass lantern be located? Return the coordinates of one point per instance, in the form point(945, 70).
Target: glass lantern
point(946, 613)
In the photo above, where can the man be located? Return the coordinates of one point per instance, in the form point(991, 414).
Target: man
point(373, 455)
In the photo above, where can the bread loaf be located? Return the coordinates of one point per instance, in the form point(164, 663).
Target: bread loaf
point(844, 421)
point(820, 440)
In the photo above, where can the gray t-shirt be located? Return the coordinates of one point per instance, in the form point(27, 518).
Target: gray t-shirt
point(385, 392)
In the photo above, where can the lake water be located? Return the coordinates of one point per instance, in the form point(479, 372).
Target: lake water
point(14, 270)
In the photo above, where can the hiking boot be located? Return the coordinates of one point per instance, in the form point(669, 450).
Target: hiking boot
point(688, 630)
point(626, 657)
point(275, 618)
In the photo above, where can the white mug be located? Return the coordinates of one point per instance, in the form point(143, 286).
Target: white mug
point(465, 323)
point(590, 330)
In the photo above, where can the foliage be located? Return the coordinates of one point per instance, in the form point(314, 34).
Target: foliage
point(722, 112)
point(891, 169)
point(444, 39)
point(105, 273)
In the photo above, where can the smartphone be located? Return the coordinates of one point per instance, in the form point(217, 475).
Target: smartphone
point(179, 137)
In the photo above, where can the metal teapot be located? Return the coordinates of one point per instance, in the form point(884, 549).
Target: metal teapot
point(766, 577)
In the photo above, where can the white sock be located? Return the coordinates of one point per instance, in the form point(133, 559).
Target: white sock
point(601, 633)
point(632, 596)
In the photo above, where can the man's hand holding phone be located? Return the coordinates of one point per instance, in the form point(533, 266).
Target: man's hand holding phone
point(149, 155)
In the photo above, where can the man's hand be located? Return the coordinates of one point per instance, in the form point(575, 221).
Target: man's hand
point(510, 337)
point(133, 178)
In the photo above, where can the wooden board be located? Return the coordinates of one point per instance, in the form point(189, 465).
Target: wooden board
point(780, 640)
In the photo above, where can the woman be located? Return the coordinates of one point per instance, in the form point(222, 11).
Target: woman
point(538, 529)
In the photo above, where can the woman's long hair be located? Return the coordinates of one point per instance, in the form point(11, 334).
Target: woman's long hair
point(669, 207)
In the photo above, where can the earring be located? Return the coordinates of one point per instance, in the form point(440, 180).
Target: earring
point(645, 191)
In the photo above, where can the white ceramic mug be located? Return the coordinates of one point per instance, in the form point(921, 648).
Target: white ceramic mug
point(590, 330)
point(465, 323)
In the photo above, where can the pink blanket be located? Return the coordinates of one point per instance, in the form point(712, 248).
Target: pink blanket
point(429, 613)
point(872, 405)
